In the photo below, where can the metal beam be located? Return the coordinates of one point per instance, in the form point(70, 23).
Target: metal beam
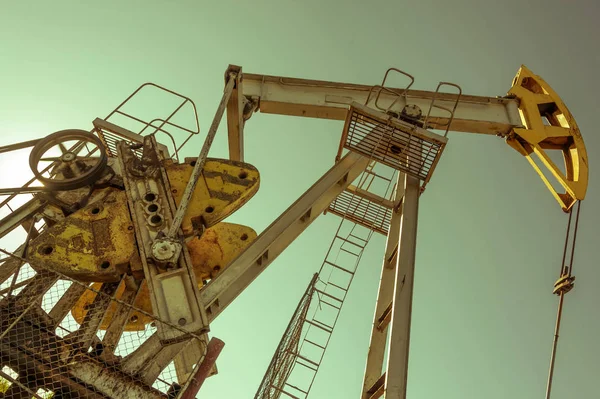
point(84, 336)
point(399, 340)
point(10, 264)
point(111, 382)
point(25, 211)
point(120, 316)
point(18, 146)
point(330, 100)
point(66, 302)
point(369, 196)
point(221, 291)
point(235, 116)
point(135, 361)
point(376, 354)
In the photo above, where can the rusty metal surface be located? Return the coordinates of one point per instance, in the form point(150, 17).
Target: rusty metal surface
point(93, 244)
point(78, 364)
point(210, 254)
point(112, 383)
point(46, 359)
point(89, 236)
point(214, 348)
point(167, 267)
point(224, 187)
point(70, 169)
point(219, 245)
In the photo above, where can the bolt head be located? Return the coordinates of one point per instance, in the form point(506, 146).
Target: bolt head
point(68, 157)
point(163, 250)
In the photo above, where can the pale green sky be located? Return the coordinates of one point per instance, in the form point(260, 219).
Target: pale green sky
point(490, 234)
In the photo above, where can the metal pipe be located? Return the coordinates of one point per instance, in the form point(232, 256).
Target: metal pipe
point(213, 349)
point(23, 190)
point(564, 258)
point(554, 345)
point(18, 146)
point(201, 160)
point(566, 270)
point(570, 271)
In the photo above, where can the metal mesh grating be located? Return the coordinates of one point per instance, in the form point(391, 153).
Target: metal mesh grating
point(45, 352)
point(392, 142)
point(362, 211)
point(110, 140)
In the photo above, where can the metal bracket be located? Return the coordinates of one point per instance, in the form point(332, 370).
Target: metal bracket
point(171, 281)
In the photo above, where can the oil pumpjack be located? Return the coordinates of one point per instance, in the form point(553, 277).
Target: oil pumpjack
point(127, 257)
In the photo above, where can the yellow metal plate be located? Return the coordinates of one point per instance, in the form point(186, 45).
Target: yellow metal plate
point(93, 244)
point(223, 188)
point(210, 254)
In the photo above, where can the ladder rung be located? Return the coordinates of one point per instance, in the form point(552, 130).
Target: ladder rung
point(337, 286)
point(330, 304)
point(284, 392)
point(306, 365)
point(314, 320)
point(304, 358)
point(323, 327)
point(296, 388)
point(350, 242)
point(377, 175)
point(339, 267)
point(360, 238)
point(350, 252)
point(314, 343)
point(330, 296)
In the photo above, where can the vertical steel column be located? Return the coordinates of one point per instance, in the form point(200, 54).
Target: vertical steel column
point(373, 370)
point(399, 341)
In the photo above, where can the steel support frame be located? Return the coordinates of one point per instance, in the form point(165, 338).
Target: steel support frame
point(400, 324)
point(377, 345)
point(395, 289)
point(229, 284)
point(240, 273)
point(331, 100)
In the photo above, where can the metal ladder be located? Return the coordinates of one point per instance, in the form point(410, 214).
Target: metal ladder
point(330, 290)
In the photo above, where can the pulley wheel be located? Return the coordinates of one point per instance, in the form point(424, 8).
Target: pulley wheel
point(68, 159)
